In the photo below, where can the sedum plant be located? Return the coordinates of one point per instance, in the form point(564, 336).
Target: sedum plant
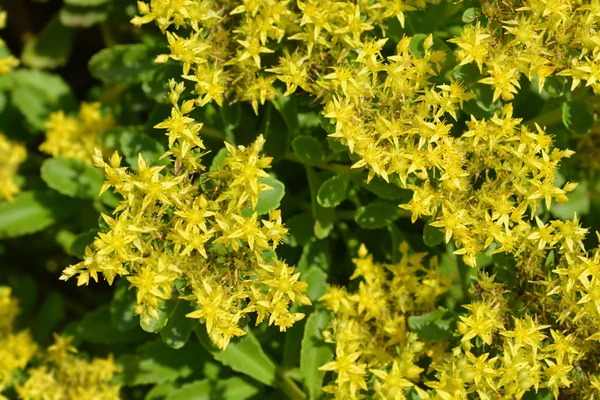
point(301, 199)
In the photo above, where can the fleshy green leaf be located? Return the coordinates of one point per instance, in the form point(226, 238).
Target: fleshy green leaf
point(324, 217)
point(235, 388)
point(122, 307)
point(97, 327)
point(387, 191)
point(333, 191)
point(243, 355)
point(49, 316)
point(34, 211)
point(300, 229)
point(80, 242)
point(83, 16)
point(436, 325)
point(36, 94)
point(471, 14)
point(124, 63)
point(271, 198)
point(155, 362)
point(165, 309)
point(179, 328)
point(75, 178)
point(52, 47)
point(579, 202)
point(577, 117)
point(316, 279)
point(377, 214)
point(432, 236)
point(309, 150)
point(315, 353)
point(133, 141)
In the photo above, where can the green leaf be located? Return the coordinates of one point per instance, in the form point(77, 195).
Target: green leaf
point(577, 117)
point(235, 388)
point(165, 309)
point(377, 214)
point(52, 47)
point(133, 141)
point(75, 178)
point(579, 202)
point(122, 307)
point(269, 199)
point(309, 150)
point(96, 327)
point(333, 191)
point(324, 217)
point(179, 328)
point(387, 191)
point(555, 86)
point(36, 94)
point(217, 161)
point(276, 132)
point(433, 236)
point(300, 229)
point(81, 241)
point(124, 63)
point(86, 3)
point(49, 316)
point(83, 17)
point(243, 355)
point(314, 254)
point(156, 363)
point(33, 211)
point(436, 325)
point(471, 14)
point(315, 353)
point(316, 279)
point(288, 109)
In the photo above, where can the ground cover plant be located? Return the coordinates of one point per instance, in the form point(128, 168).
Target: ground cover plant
point(312, 199)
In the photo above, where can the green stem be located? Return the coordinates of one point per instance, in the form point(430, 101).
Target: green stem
point(289, 387)
point(546, 119)
point(107, 35)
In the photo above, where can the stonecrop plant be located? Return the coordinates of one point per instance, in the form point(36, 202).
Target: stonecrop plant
point(312, 199)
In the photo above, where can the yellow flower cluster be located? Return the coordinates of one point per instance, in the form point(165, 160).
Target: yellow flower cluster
point(183, 232)
point(60, 375)
point(12, 154)
point(373, 344)
point(243, 47)
point(503, 357)
point(7, 62)
point(76, 137)
point(16, 349)
point(536, 38)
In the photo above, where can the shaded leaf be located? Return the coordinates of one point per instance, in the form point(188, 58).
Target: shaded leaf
point(309, 150)
point(333, 191)
point(179, 328)
point(436, 325)
point(577, 117)
point(315, 353)
point(33, 211)
point(124, 63)
point(122, 307)
point(243, 355)
point(235, 388)
point(377, 214)
point(36, 94)
point(52, 47)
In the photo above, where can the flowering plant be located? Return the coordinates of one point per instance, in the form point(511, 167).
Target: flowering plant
point(312, 199)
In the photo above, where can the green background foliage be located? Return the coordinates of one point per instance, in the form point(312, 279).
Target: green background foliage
point(76, 50)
